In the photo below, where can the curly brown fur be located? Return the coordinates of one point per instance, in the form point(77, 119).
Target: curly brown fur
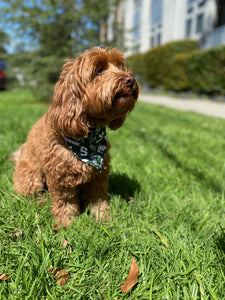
point(94, 90)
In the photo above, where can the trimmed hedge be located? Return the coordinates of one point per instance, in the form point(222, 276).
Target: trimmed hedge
point(199, 71)
point(153, 65)
point(180, 66)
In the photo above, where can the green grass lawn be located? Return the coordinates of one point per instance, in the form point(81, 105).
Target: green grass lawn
point(167, 210)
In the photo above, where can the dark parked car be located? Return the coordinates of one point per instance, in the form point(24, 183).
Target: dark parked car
point(2, 74)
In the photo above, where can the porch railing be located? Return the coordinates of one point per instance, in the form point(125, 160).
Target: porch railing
point(213, 38)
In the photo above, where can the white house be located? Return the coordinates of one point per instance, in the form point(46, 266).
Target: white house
point(149, 23)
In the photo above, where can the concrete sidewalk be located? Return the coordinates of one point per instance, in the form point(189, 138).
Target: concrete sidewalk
point(205, 107)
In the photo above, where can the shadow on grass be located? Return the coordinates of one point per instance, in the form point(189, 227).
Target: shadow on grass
point(123, 185)
point(220, 242)
point(201, 176)
point(220, 245)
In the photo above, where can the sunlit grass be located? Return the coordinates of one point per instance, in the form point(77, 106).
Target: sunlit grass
point(166, 184)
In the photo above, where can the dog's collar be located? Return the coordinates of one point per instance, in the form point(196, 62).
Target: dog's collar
point(90, 150)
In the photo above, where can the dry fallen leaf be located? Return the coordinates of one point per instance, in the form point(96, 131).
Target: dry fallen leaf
point(132, 277)
point(61, 276)
point(66, 244)
point(18, 233)
point(4, 276)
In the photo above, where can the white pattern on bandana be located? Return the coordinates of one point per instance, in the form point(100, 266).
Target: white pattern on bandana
point(90, 150)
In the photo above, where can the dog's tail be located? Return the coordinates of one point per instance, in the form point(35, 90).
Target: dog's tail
point(15, 156)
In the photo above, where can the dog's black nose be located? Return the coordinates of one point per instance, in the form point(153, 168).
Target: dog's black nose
point(129, 81)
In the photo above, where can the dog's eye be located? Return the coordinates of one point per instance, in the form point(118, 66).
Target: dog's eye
point(99, 70)
point(120, 66)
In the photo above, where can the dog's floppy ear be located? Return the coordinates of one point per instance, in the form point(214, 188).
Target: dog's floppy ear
point(66, 113)
point(115, 124)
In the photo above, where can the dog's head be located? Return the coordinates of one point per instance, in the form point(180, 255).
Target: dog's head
point(94, 90)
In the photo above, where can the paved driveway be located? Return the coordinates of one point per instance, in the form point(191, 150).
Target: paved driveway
point(205, 107)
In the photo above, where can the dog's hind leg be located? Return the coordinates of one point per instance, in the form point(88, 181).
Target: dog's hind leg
point(28, 180)
point(15, 156)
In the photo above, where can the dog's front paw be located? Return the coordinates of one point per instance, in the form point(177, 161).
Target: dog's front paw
point(64, 213)
point(100, 210)
point(57, 227)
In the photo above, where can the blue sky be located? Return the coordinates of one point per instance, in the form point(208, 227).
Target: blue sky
point(10, 30)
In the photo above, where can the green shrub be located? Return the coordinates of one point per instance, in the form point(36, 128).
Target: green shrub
point(177, 79)
point(153, 65)
point(180, 66)
point(200, 71)
point(158, 60)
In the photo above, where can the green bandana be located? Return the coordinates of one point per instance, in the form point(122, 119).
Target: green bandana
point(92, 149)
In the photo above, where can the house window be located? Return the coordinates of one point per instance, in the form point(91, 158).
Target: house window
point(188, 28)
point(202, 3)
point(190, 9)
point(190, 1)
point(158, 39)
point(156, 11)
point(199, 23)
point(152, 42)
point(156, 22)
point(137, 18)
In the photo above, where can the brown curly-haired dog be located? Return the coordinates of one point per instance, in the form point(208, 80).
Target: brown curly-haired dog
point(93, 91)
